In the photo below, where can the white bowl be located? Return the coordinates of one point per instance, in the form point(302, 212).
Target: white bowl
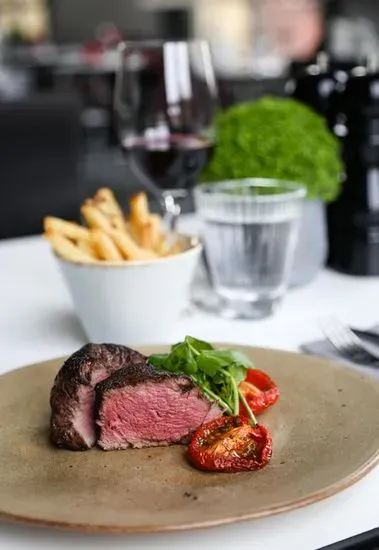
point(132, 302)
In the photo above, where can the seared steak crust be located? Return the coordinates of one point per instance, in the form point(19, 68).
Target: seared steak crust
point(72, 396)
point(137, 374)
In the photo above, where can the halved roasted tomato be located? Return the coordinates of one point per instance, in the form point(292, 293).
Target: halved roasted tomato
point(259, 390)
point(230, 444)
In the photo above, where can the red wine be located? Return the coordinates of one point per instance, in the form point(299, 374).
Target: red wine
point(171, 163)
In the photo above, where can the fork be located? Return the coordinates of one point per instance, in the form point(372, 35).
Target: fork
point(347, 343)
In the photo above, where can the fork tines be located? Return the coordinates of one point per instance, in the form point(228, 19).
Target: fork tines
point(346, 342)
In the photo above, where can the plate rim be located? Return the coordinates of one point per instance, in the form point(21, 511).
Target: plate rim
point(318, 496)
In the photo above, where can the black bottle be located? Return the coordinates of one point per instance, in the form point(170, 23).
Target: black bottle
point(353, 219)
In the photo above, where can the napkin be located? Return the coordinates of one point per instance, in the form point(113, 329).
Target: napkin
point(323, 348)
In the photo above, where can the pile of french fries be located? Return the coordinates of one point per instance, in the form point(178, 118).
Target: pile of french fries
point(110, 236)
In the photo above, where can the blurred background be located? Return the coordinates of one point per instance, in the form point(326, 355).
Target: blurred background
point(57, 67)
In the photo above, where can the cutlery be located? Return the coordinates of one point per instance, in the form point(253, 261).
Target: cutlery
point(368, 335)
point(364, 541)
point(347, 343)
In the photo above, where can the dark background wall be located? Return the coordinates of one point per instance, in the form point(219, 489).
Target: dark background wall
point(76, 20)
point(363, 8)
point(356, 8)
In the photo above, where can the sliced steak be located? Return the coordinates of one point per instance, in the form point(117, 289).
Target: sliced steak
point(72, 396)
point(142, 407)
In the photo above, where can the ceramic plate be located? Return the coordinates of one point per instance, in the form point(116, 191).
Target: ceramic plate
point(325, 431)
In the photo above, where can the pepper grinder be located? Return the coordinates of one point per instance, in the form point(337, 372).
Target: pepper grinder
point(353, 219)
point(314, 86)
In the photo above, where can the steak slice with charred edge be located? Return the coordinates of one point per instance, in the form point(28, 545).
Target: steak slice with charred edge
point(139, 406)
point(72, 398)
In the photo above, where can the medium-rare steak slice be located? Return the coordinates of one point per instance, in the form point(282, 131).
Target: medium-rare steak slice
point(72, 398)
point(142, 407)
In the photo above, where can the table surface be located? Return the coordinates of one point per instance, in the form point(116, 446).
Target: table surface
point(37, 322)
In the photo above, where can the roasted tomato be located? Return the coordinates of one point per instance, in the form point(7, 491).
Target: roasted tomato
point(229, 444)
point(259, 390)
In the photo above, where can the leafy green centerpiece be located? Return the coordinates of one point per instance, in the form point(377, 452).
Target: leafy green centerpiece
point(279, 139)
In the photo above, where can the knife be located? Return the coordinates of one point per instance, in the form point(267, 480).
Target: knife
point(364, 541)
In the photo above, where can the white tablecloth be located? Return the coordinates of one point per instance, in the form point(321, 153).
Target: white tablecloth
point(37, 322)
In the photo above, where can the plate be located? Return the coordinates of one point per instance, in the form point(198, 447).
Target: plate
point(325, 431)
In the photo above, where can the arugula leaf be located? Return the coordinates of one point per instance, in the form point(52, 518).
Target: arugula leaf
point(199, 345)
point(219, 378)
point(158, 360)
point(211, 362)
point(238, 372)
point(182, 360)
point(238, 357)
point(209, 365)
point(174, 346)
point(217, 372)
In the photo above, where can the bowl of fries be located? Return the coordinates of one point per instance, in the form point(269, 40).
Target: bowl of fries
point(129, 278)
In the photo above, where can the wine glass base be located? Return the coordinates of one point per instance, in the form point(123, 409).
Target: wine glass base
point(172, 206)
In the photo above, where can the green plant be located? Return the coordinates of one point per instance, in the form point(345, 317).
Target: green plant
point(277, 138)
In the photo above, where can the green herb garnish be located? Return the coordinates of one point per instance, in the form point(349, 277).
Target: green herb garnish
point(217, 372)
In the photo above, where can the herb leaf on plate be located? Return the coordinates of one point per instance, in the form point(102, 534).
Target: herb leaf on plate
point(217, 372)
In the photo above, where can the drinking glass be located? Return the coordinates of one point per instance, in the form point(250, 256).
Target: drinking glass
point(165, 102)
point(250, 231)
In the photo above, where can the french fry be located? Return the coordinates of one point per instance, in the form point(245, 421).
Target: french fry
point(163, 248)
point(130, 249)
point(95, 218)
point(176, 248)
point(66, 248)
point(88, 248)
point(139, 209)
point(70, 230)
point(133, 231)
point(105, 194)
point(150, 232)
point(104, 246)
point(107, 203)
point(117, 222)
point(109, 236)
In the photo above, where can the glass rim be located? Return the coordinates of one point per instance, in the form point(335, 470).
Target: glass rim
point(291, 190)
point(158, 43)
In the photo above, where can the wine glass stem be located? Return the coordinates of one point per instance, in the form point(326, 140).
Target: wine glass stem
point(172, 208)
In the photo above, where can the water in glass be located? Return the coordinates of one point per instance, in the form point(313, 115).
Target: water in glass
point(250, 241)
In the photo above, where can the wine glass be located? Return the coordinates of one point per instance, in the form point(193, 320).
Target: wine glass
point(165, 101)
